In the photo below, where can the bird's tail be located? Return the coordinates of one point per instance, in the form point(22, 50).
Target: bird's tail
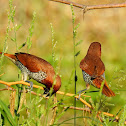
point(106, 90)
point(10, 56)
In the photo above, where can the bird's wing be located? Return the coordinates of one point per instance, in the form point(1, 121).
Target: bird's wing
point(33, 63)
point(92, 66)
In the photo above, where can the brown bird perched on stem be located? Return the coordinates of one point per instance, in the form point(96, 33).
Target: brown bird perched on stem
point(93, 69)
point(37, 69)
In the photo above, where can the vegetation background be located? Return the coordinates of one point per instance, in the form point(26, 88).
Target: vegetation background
point(106, 26)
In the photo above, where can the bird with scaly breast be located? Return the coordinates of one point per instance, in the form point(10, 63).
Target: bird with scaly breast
point(93, 70)
point(37, 69)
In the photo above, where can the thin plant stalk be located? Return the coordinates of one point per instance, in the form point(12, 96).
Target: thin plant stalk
point(73, 22)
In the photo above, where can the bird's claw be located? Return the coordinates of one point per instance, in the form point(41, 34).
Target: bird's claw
point(79, 95)
point(31, 84)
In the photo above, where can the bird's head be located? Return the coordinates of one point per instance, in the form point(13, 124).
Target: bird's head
point(95, 49)
point(58, 84)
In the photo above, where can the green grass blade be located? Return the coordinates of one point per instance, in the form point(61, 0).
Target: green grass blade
point(8, 114)
point(122, 117)
point(5, 116)
point(77, 53)
point(97, 121)
point(78, 43)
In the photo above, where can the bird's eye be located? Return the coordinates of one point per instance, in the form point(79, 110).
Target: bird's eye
point(92, 78)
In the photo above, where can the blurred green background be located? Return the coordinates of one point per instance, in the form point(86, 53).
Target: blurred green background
point(106, 26)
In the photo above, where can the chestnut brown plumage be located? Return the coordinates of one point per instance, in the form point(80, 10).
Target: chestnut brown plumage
point(93, 69)
point(36, 68)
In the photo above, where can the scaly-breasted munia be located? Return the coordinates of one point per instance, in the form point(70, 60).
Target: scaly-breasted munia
point(37, 69)
point(93, 69)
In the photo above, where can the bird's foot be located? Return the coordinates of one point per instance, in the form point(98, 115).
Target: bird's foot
point(80, 93)
point(79, 96)
point(31, 84)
